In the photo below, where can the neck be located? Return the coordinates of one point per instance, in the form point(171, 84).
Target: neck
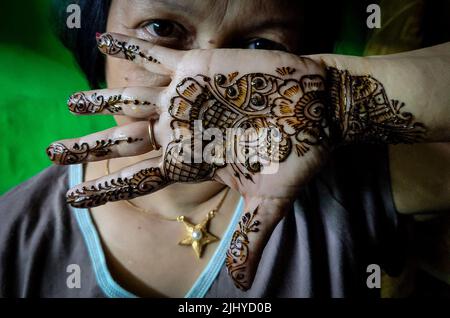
point(183, 199)
point(190, 200)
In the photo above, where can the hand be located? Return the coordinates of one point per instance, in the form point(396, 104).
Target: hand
point(276, 100)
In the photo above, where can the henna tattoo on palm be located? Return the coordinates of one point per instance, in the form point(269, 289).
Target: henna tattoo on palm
point(238, 253)
point(108, 45)
point(61, 154)
point(79, 103)
point(294, 108)
point(364, 113)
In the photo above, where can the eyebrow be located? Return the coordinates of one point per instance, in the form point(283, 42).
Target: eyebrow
point(271, 24)
point(172, 5)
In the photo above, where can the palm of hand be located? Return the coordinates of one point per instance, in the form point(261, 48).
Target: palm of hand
point(258, 119)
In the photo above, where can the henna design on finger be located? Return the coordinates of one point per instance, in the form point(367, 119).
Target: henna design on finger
point(143, 182)
point(108, 45)
point(364, 113)
point(79, 103)
point(61, 154)
point(238, 253)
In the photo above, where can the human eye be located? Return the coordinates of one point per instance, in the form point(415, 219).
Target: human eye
point(166, 32)
point(163, 28)
point(264, 44)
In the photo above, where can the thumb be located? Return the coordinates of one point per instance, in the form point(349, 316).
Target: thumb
point(259, 219)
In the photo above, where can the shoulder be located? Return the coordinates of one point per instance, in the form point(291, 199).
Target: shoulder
point(357, 178)
point(35, 197)
point(40, 237)
point(357, 185)
point(33, 208)
point(33, 220)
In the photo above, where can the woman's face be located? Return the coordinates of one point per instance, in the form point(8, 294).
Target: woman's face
point(199, 24)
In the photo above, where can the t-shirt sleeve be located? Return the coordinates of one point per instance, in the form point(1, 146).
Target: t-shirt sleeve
point(359, 177)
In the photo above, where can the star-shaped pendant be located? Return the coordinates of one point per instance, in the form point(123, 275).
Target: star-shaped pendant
point(198, 235)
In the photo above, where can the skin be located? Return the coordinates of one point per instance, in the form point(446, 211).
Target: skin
point(265, 198)
point(223, 24)
point(133, 269)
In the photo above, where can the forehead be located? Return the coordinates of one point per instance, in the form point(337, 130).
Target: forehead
point(219, 12)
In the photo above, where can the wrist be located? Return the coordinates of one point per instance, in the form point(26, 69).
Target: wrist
point(362, 112)
point(337, 102)
point(337, 88)
point(360, 109)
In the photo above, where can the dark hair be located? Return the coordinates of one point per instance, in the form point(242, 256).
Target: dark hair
point(81, 41)
point(319, 38)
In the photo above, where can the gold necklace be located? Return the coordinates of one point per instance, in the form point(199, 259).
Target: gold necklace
point(197, 235)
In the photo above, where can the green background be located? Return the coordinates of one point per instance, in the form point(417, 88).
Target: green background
point(37, 74)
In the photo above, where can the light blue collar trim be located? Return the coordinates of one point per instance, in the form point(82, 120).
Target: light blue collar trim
point(104, 278)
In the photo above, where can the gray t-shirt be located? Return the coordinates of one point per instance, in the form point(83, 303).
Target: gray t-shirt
point(343, 220)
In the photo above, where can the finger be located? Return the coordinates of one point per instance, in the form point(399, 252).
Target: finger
point(249, 239)
point(137, 102)
point(153, 57)
point(140, 179)
point(124, 141)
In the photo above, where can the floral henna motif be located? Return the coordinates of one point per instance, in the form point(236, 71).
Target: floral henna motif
point(61, 154)
point(108, 45)
point(144, 182)
point(238, 253)
point(292, 109)
point(363, 112)
point(79, 103)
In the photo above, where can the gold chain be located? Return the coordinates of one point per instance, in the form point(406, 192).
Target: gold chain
point(179, 218)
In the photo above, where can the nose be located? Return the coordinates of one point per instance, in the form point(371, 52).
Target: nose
point(211, 42)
